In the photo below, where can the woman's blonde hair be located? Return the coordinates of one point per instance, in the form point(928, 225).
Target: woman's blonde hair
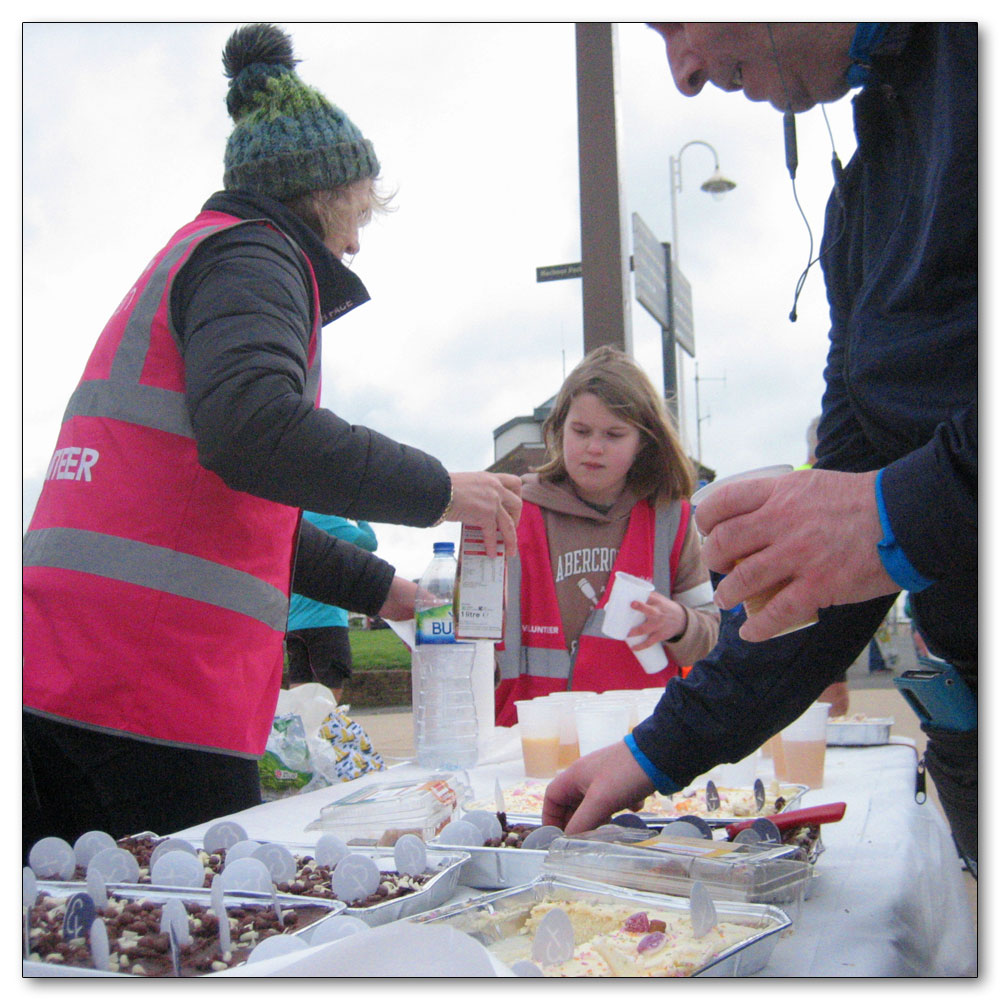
point(661, 471)
point(324, 211)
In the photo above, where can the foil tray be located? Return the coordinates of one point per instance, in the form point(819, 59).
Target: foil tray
point(500, 915)
point(500, 867)
point(869, 733)
point(160, 894)
point(793, 796)
point(438, 889)
point(721, 818)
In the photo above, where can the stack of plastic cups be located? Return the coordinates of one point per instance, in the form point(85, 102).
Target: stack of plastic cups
point(600, 722)
point(569, 743)
point(629, 699)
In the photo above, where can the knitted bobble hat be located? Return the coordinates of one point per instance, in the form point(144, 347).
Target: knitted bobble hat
point(288, 138)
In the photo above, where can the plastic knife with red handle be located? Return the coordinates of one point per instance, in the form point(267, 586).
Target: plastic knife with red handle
point(832, 812)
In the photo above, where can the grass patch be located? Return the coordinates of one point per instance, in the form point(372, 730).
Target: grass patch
point(378, 649)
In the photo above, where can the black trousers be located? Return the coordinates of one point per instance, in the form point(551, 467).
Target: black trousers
point(952, 761)
point(75, 780)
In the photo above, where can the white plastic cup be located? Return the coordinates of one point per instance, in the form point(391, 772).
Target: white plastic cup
point(620, 618)
point(803, 747)
point(619, 615)
point(569, 744)
point(753, 605)
point(627, 698)
point(738, 775)
point(538, 724)
point(599, 724)
point(765, 472)
point(652, 659)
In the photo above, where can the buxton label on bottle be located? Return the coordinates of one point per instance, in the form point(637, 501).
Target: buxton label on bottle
point(435, 625)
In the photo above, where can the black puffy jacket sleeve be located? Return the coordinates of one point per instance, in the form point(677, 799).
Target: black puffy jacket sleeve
point(361, 580)
point(242, 314)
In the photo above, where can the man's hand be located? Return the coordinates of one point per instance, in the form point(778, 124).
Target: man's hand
point(491, 501)
point(812, 535)
point(595, 787)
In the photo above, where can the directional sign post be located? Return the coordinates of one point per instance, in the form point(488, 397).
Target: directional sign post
point(666, 294)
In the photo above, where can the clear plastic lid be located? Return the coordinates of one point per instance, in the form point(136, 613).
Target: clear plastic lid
point(422, 807)
point(635, 859)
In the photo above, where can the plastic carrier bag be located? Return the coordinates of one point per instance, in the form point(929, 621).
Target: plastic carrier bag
point(312, 744)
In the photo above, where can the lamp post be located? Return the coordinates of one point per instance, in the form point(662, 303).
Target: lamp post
point(716, 185)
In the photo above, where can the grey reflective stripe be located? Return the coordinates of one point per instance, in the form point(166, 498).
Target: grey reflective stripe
point(130, 355)
point(120, 396)
point(546, 662)
point(313, 374)
point(668, 520)
point(159, 569)
point(143, 405)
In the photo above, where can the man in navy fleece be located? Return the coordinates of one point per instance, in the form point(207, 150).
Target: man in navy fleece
point(891, 503)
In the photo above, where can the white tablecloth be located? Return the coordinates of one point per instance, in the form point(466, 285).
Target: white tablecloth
point(891, 898)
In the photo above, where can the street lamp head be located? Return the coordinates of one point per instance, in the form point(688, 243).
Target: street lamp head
point(717, 185)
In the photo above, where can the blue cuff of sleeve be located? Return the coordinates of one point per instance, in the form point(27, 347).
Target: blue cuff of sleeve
point(893, 557)
point(663, 782)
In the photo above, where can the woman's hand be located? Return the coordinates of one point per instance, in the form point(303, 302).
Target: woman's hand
point(398, 606)
point(488, 500)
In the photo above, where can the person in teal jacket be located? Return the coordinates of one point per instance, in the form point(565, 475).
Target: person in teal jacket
point(316, 639)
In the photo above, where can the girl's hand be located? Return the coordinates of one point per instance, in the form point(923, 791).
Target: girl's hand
point(665, 620)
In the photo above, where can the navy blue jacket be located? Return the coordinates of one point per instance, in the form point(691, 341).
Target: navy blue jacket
point(901, 268)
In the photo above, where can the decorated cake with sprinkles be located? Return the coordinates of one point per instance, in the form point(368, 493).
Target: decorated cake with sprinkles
point(525, 798)
point(615, 940)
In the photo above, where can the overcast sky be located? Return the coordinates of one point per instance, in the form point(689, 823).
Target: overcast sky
point(124, 129)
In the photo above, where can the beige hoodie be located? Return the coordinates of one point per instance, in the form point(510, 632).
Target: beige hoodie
point(583, 544)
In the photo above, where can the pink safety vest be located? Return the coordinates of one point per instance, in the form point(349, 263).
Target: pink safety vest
point(155, 596)
point(535, 659)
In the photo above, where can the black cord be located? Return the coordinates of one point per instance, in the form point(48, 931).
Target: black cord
point(838, 175)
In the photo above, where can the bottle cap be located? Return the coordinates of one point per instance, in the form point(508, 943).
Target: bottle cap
point(444, 548)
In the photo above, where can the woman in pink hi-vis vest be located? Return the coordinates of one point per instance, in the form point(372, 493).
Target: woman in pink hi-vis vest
point(159, 561)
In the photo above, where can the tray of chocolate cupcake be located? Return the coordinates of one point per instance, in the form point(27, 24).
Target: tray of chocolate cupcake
point(502, 852)
point(377, 885)
point(150, 933)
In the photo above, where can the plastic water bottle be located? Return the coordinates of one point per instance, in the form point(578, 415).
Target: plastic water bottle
point(444, 710)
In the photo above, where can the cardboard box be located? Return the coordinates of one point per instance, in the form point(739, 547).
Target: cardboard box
point(481, 588)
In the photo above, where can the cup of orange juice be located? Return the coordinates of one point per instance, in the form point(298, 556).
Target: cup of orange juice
point(803, 747)
point(538, 724)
